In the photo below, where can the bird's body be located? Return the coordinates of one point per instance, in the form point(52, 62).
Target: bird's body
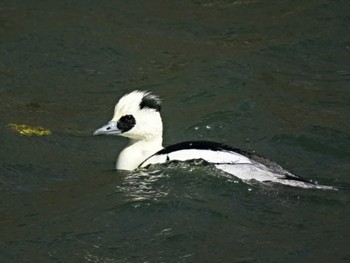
point(137, 116)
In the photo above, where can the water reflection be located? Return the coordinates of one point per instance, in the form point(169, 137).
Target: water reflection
point(141, 185)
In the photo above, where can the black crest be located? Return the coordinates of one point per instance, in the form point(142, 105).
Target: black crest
point(150, 101)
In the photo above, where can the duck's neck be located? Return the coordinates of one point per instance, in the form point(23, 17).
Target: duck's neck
point(136, 152)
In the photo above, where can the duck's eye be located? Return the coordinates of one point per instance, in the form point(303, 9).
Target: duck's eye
point(126, 123)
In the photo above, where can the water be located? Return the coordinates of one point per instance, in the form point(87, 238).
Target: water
point(272, 78)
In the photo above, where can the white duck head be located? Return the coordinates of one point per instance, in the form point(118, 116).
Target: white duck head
point(137, 117)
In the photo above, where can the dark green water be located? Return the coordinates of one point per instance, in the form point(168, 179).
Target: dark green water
point(272, 77)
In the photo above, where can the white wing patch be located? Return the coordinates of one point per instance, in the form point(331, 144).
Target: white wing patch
point(216, 157)
point(250, 171)
point(208, 156)
point(233, 163)
point(158, 158)
point(261, 173)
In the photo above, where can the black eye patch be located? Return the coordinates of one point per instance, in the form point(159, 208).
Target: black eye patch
point(126, 123)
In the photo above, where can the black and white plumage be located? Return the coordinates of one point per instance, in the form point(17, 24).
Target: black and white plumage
point(137, 117)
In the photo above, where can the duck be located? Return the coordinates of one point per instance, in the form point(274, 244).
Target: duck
point(137, 117)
